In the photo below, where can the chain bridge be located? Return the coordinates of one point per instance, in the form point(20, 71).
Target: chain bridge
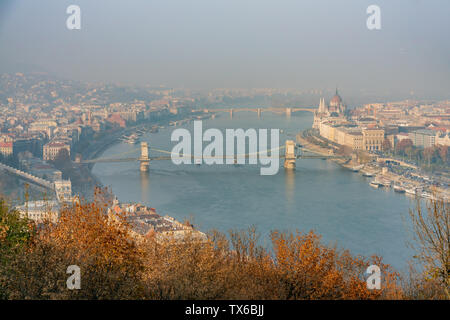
point(292, 152)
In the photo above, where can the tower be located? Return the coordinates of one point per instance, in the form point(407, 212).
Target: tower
point(144, 159)
point(322, 107)
point(290, 157)
point(288, 112)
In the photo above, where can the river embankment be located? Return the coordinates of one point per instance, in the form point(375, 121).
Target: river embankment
point(97, 147)
point(427, 190)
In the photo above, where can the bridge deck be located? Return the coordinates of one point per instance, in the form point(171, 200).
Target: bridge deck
point(26, 176)
point(170, 158)
point(270, 109)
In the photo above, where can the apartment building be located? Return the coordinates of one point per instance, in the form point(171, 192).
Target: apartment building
point(52, 148)
point(373, 139)
point(423, 138)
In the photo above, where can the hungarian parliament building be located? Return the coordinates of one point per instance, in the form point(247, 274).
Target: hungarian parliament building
point(333, 125)
point(336, 108)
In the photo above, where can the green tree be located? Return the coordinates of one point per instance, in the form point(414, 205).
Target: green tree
point(15, 234)
point(15, 231)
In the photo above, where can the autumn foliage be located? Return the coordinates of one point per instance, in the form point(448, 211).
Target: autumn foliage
point(116, 265)
point(87, 237)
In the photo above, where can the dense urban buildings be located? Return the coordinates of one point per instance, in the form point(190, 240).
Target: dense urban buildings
point(47, 130)
point(367, 127)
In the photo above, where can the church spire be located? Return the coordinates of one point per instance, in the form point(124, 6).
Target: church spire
point(322, 105)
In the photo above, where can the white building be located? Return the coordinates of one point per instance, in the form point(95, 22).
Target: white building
point(63, 189)
point(443, 139)
point(40, 211)
point(51, 149)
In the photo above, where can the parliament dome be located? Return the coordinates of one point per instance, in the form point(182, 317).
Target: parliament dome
point(336, 100)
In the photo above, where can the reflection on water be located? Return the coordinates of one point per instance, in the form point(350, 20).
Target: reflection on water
point(289, 179)
point(145, 190)
point(319, 195)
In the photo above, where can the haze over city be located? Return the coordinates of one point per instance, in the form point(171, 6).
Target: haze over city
point(236, 44)
point(263, 150)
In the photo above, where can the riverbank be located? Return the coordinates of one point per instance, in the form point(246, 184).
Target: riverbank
point(371, 169)
point(318, 195)
point(98, 147)
point(317, 149)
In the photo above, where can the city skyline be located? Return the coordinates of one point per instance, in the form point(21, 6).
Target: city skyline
point(223, 150)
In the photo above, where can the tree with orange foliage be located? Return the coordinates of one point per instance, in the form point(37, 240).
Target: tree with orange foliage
point(115, 266)
point(86, 236)
point(311, 270)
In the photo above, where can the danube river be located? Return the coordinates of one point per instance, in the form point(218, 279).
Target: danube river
point(319, 195)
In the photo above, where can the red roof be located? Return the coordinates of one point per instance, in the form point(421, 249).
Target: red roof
point(438, 129)
point(6, 144)
point(116, 118)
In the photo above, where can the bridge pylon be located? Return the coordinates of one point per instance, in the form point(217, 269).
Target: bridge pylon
point(288, 112)
point(259, 112)
point(144, 159)
point(289, 156)
point(231, 113)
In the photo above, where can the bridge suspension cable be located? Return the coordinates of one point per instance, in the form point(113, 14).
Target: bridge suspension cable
point(116, 157)
point(226, 157)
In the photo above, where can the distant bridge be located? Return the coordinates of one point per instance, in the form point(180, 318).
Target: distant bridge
point(288, 111)
point(61, 188)
point(28, 177)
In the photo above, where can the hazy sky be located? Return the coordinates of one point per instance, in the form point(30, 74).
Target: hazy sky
point(235, 43)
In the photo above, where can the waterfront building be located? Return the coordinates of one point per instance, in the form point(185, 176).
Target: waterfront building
point(342, 133)
point(336, 105)
point(423, 138)
point(354, 140)
point(327, 130)
point(51, 149)
point(373, 139)
point(336, 108)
